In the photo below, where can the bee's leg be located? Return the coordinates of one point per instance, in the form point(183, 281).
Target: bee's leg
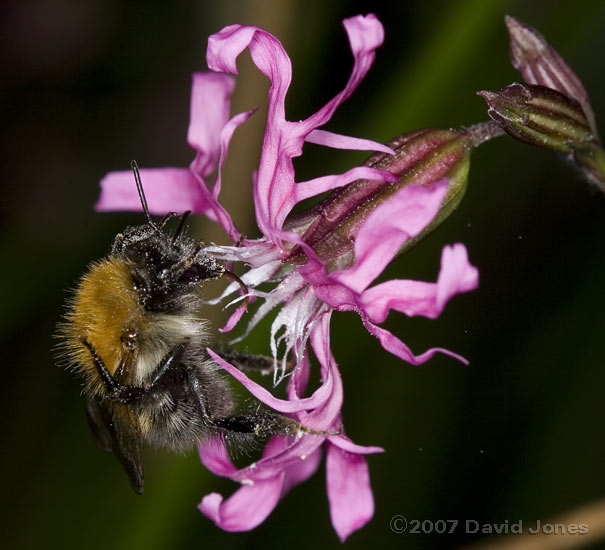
point(196, 389)
point(131, 393)
point(116, 391)
point(171, 359)
point(196, 267)
point(262, 364)
point(261, 424)
point(255, 423)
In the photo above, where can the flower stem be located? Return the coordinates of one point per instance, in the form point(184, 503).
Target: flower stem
point(484, 131)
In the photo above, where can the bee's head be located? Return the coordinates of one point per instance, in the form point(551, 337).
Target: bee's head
point(165, 262)
point(136, 239)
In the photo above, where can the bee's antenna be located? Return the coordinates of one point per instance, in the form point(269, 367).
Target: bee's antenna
point(181, 225)
point(137, 179)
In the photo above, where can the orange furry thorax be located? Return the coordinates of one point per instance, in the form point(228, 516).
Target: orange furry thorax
point(105, 310)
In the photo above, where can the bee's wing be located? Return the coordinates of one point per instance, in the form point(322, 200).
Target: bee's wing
point(127, 446)
point(99, 418)
point(116, 428)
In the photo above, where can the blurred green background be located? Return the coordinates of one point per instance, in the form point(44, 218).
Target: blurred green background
point(88, 85)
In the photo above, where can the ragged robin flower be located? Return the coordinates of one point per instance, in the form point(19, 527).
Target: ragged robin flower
point(319, 261)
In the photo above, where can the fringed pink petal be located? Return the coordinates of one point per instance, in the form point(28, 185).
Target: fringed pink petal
point(310, 188)
point(338, 141)
point(365, 34)
point(166, 190)
point(419, 298)
point(280, 453)
point(457, 274)
point(409, 297)
point(387, 228)
point(338, 297)
point(349, 491)
point(316, 400)
point(395, 346)
point(301, 471)
point(234, 318)
point(210, 97)
point(220, 213)
point(213, 454)
point(344, 443)
point(274, 191)
point(276, 175)
point(245, 509)
point(328, 416)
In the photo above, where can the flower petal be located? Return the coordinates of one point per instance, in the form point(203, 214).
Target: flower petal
point(419, 298)
point(274, 191)
point(280, 453)
point(328, 416)
point(310, 188)
point(293, 324)
point(213, 454)
point(338, 141)
point(344, 443)
point(301, 471)
point(281, 405)
point(221, 215)
point(365, 34)
point(395, 346)
point(210, 96)
point(247, 508)
point(166, 190)
point(234, 319)
point(349, 491)
point(387, 228)
point(276, 174)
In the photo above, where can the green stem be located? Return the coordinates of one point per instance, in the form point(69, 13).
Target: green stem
point(484, 131)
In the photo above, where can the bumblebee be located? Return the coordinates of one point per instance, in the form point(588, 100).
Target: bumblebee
point(134, 331)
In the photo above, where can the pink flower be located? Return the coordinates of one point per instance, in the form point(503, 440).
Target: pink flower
point(289, 460)
point(308, 290)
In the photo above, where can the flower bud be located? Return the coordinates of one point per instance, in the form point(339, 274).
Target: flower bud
point(539, 116)
point(547, 118)
point(421, 158)
point(539, 63)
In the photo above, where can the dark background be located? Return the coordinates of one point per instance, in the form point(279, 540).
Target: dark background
point(517, 435)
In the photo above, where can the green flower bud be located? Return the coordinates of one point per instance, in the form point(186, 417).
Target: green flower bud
point(539, 116)
point(421, 158)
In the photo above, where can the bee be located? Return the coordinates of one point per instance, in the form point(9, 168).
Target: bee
point(135, 332)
